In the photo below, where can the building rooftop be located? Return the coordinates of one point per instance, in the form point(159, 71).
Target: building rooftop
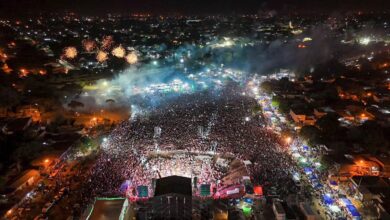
point(370, 181)
point(22, 178)
point(107, 208)
point(18, 124)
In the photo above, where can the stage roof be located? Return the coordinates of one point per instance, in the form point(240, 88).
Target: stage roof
point(173, 184)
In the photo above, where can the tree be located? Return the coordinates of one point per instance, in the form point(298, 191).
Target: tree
point(9, 97)
point(328, 121)
point(285, 84)
point(329, 94)
point(329, 68)
point(310, 133)
point(281, 103)
point(58, 120)
point(25, 153)
point(339, 146)
point(256, 109)
point(3, 181)
point(329, 125)
point(266, 86)
point(374, 139)
point(75, 104)
point(87, 145)
point(355, 134)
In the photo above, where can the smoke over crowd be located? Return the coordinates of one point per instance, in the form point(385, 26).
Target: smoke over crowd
point(240, 54)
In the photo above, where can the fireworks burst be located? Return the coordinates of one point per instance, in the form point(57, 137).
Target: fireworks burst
point(107, 42)
point(89, 45)
point(70, 52)
point(132, 58)
point(101, 56)
point(119, 52)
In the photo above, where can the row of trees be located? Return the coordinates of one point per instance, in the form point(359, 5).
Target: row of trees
point(370, 135)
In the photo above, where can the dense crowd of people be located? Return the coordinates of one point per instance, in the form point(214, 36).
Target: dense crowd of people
point(205, 124)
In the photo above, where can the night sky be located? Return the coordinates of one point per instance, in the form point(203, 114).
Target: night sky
point(20, 7)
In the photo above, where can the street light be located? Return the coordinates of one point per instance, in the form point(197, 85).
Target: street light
point(288, 140)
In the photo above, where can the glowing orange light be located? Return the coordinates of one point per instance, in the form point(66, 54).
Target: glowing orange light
point(23, 72)
point(101, 56)
point(119, 51)
point(70, 52)
point(131, 58)
point(89, 45)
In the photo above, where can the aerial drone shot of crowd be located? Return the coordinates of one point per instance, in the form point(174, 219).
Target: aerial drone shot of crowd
point(184, 136)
